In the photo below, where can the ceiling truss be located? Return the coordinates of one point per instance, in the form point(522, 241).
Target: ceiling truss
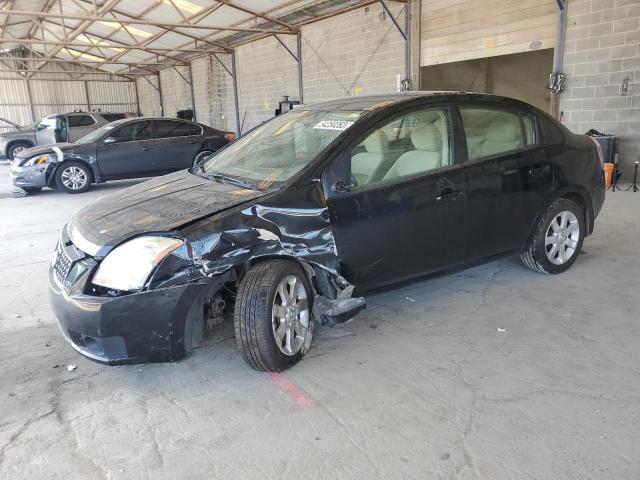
point(73, 32)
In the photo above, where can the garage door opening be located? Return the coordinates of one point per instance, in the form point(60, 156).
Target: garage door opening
point(524, 76)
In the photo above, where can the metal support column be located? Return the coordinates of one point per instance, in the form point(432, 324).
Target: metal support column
point(236, 106)
point(86, 94)
point(160, 95)
point(405, 36)
point(299, 59)
point(558, 60)
point(30, 97)
point(193, 96)
point(135, 84)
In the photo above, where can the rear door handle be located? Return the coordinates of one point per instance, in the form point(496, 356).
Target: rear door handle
point(449, 194)
point(192, 142)
point(144, 149)
point(536, 171)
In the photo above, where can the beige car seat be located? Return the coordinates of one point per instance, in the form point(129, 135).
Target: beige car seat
point(427, 155)
point(364, 164)
point(501, 136)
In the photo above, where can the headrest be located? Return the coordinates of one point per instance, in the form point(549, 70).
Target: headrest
point(377, 142)
point(503, 131)
point(427, 137)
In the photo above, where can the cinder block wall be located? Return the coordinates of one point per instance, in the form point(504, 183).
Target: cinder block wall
point(356, 53)
point(602, 48)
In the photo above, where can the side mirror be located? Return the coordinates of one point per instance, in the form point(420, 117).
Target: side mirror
point(340, 187)
point(109, 140)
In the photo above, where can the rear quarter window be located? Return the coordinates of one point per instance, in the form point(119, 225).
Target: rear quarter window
point(80, 121)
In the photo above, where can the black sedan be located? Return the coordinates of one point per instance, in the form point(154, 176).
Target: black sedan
point(282, 227)
point(130, 148)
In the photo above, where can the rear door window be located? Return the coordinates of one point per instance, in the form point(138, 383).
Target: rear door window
point(133, 132)
point(172, 129)
point(490, 131)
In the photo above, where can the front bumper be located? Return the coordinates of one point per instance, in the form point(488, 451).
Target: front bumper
point(136, 328)
point(36, 176)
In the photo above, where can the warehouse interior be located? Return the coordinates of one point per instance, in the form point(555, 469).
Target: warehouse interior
point(491, 372)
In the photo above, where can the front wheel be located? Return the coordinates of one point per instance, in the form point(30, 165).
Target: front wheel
point(73, 177)
point(272, 316)
point(557, 240)
point(16, 148)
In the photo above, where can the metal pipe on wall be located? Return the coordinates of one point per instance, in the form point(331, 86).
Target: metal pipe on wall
point(193, 97)
point(235, 92)
point(160, 95)
point(299, 59)
point(558, 55)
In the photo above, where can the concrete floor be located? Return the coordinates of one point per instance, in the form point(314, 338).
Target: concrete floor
point(495, 373)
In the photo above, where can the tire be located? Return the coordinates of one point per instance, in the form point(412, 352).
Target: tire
point(73, 177)
point(200, 157)
point(557, 238)
point(16, 148)
point(256, 318)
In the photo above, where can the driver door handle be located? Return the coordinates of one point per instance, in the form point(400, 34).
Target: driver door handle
point(145, 149)
point(448, 194)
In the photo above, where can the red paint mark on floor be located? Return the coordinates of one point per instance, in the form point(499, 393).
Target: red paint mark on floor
point(291, 388)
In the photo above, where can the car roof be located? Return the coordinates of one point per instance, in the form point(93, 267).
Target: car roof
point(374, 102)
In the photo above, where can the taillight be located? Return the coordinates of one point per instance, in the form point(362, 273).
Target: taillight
point(230, 136)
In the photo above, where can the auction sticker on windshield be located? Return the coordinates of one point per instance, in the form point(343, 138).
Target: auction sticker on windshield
point(333, 125)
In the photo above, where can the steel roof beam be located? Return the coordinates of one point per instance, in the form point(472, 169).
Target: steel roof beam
point(115, 46)
point(133, 21)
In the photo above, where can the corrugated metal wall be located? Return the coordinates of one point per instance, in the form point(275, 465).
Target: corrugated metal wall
point(51, 92)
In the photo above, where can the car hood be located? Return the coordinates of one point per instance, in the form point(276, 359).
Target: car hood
point(159, 205)
point(33, 151)
point(18, 133)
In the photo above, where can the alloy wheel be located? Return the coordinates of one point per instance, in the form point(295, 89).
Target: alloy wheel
point(17, 150)
point(74, 178)
point(290, 317)
point(563, 235)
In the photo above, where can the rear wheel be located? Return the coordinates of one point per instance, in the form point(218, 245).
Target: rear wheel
point(272, 316)
point(73, 177)
point(557, 240)
point(16, 148)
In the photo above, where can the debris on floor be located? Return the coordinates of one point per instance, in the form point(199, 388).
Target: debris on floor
point(71, 367)
point(502, 329)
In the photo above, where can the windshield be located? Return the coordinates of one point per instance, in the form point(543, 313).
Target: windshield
point(280, 148)
point(96, 134)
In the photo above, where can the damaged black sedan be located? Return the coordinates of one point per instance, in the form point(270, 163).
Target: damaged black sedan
point(285, 224)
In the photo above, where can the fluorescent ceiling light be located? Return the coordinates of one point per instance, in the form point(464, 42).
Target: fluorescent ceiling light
point(129, 28)
point(184, 5)
point(97, 43)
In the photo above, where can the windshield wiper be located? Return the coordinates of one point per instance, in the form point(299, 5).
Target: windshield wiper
point(222, 178)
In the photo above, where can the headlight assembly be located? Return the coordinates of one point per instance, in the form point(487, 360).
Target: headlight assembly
point(39, 160)
point(128, 266)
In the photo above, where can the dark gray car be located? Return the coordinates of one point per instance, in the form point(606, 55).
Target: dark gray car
point(130, 148)
point(67, 127)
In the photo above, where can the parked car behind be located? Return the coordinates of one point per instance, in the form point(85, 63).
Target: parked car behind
point(130, 148)
point(67, 127)
point(285, 224)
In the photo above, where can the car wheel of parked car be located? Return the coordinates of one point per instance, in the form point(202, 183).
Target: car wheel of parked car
point(73, 177)
point(557, 240)
point(200, 157)
point(272, 316)
point(16, 148)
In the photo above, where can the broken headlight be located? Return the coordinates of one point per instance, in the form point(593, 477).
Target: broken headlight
point(128, 266)
point(39, 160)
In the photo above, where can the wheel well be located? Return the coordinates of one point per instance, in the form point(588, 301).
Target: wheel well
point(19, 140)
point(67, 160)
point(579, 200)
